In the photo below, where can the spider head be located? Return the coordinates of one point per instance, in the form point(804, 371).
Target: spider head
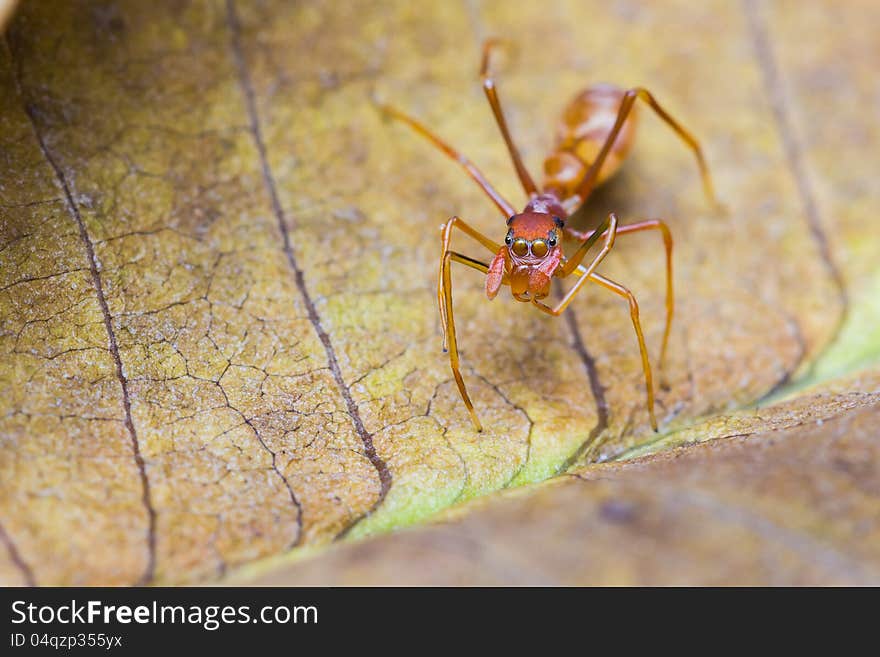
point(534, 251)
point(532, 236)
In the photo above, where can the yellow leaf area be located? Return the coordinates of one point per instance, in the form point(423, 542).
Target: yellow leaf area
point(218, 329)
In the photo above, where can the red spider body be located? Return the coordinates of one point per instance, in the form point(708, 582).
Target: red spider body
point(593, 139)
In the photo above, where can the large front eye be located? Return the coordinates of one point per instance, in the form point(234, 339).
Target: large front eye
point(539, 248)
point(520, 247)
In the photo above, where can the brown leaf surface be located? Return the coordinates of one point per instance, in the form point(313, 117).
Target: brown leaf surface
point(765, 509)
point(218, 329)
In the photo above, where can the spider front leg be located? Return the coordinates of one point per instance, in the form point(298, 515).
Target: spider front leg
point(607, 228)
point(620, 290)
point(650, 224)
point(444, 297)
point(634, 314)
point(446, 241)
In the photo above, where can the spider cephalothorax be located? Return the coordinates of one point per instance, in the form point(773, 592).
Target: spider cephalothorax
point(530, 256)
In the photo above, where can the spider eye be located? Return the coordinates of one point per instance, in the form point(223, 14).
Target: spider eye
point(539, 248)
point(520, 247)
point(509, 239)
point(552, 240)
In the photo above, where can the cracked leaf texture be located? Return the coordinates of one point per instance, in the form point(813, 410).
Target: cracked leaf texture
point(218, 330)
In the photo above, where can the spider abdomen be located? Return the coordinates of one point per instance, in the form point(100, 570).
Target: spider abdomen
point(583, 129)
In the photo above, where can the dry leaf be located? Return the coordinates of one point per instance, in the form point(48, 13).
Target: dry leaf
point(218, 327)
point(792, 507)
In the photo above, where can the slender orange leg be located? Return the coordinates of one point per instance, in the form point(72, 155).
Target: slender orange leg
point(471, 169)
point(609, 229)
point(446, 289)
point(619, 289)
point(492, 96)
point(651, 224)
point(446, 240)
point(626, 105)
point(634, 314)
point(444, 295)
